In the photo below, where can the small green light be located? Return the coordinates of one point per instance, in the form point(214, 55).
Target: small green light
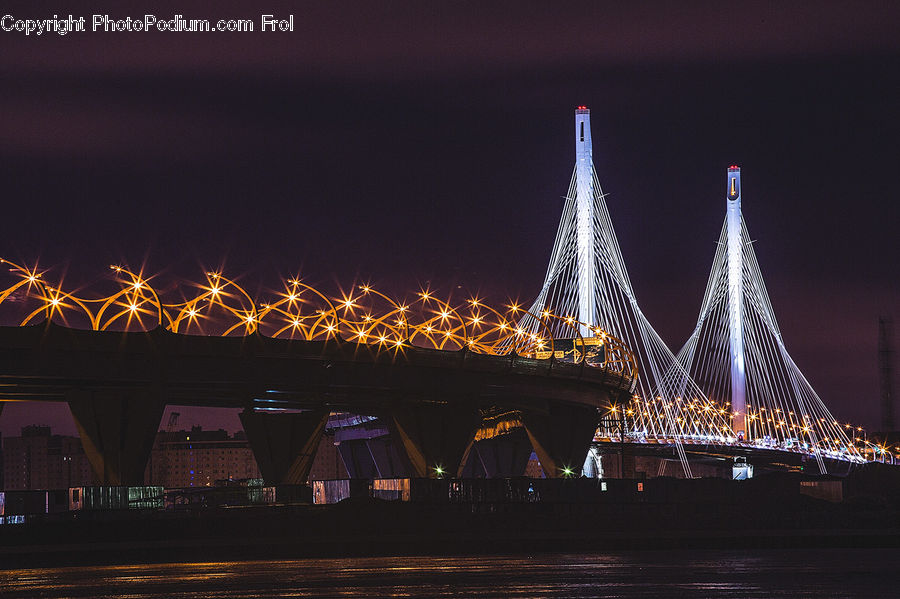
point(439, 471)
point(567, 471)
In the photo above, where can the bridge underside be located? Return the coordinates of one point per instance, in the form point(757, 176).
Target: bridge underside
point(117, 431)
point(503, 456)
point(378, 457)
point(284, 445)
point(437, 413)
point(430, 402)
point(500, 447)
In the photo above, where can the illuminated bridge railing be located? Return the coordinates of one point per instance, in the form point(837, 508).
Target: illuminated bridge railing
point(219, 306)
point(703, 422)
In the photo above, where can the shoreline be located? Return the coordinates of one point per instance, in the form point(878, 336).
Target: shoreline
point(377, 528)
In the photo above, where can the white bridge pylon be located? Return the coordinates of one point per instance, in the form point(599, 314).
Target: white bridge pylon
point(587, 280)
point(738, 357)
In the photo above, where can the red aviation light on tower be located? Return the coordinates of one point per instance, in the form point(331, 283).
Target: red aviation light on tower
point(582, 110)
point(734, 167)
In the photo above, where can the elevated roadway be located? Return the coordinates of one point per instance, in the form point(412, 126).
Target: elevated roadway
point(117, 385)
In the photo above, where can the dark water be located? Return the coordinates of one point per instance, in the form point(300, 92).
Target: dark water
point(822, 574)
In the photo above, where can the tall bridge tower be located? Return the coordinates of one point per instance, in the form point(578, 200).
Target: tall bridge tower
point(584, 220)
point(737, 354)
point(735, 269)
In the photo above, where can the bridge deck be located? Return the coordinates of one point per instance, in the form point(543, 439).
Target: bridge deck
point(41, 362)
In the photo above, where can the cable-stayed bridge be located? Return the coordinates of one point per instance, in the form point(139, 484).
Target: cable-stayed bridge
point(423, 386)
point(733, 383)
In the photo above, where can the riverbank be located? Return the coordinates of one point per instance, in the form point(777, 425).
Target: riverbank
point(369, 527)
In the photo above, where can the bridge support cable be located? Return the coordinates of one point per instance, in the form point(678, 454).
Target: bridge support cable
point(666, 406)
point(117, 430)
point(284, 445)
point(737, 355)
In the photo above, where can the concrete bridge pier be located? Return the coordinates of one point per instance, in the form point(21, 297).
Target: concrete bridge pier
point(387, 458)
point(284, 445)
point(117, 430)
point(561, 437)
point(373, 458)
point(358, 460)
point(436, 437)
point(502, 456)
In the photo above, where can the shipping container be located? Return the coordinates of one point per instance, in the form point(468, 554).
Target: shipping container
point(231, 495)
point(115, 498)
point(333, 491)
point(391, 489)
point(23, 503)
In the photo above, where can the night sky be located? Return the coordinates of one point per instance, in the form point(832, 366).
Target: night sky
point(431, 142)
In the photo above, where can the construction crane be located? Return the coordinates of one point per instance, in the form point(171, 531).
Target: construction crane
point(173, 420)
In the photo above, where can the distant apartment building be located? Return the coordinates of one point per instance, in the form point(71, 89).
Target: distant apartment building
point(41, 460)
point(199, 458)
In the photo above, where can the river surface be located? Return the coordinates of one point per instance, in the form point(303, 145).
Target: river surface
point(821, 574)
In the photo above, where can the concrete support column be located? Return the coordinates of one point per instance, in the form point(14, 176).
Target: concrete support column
point(505, 455)
point(357, 458)
point(117, 430)
point(437, 438)
point(284, 445)
point(373, 458)
point(561, 437)
point(388, 460)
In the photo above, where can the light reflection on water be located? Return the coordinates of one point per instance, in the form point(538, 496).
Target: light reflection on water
point(822, 574)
